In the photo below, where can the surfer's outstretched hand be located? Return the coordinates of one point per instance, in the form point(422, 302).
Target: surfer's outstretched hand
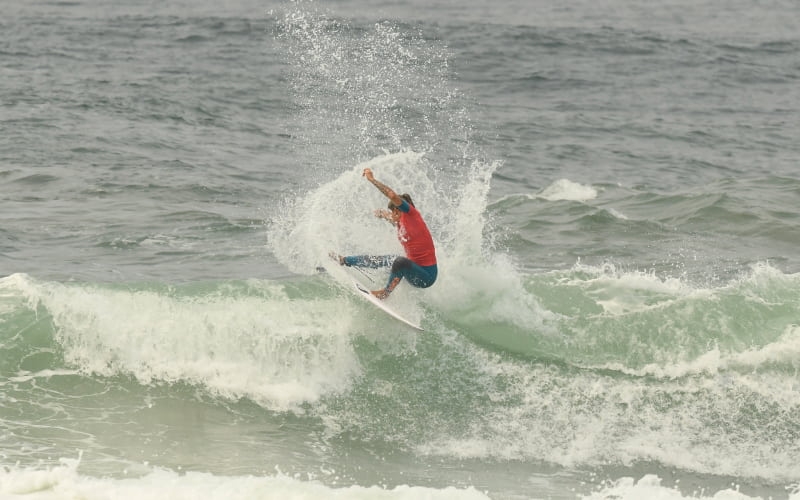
point(368, 174)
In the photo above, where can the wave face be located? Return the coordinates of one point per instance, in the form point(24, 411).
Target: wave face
point(608, 367)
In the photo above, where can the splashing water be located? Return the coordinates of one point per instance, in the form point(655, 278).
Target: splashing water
point(380, 96)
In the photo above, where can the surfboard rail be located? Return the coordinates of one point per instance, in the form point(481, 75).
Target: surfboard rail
point(383, 306)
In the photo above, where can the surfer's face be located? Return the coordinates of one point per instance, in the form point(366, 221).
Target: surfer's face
point(396, 214)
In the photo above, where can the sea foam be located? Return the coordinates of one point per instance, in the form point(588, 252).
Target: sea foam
point(64, 481)
point(257, 340)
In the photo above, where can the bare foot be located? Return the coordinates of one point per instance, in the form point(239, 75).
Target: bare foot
point(338, 258)
point(381, 294)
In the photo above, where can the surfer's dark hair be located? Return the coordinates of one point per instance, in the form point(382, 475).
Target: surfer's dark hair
point(404, 196)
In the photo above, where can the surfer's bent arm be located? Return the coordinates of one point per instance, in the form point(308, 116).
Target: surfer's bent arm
point(384, 214)
point(383, 188)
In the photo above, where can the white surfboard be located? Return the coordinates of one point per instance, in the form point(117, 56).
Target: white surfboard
point(383, 306)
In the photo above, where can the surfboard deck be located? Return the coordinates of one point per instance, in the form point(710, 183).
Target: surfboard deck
point(383, 306)
point(341, 275)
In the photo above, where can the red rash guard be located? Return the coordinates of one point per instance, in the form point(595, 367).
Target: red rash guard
point(415, 236)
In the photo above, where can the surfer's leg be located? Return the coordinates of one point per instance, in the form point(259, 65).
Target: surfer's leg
point(371, 261)
point(399, 269)
point(418, 276)
point(423, 276)
point(393, 282)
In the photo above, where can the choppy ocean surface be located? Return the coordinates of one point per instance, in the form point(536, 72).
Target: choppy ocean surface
point(614, 189)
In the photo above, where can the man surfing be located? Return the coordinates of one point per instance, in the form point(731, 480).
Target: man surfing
point(419, 264)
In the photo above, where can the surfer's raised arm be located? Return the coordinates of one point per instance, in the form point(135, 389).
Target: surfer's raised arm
point(383, 188)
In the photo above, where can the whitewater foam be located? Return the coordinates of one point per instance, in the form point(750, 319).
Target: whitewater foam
point(260, 342)
point(64, 481)
point(649, 486)
point(567, 190)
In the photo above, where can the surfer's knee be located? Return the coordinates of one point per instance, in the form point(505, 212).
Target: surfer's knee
point(401, 265)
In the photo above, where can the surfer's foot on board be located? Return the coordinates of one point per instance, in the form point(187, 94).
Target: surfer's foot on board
point(335, 256)
point(382, 294)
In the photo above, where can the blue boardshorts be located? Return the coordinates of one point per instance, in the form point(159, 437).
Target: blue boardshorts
point(402, 267)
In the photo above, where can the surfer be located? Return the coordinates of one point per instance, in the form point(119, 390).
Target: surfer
point(419, 264)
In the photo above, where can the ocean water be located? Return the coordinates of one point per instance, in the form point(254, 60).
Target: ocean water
point(613, 187)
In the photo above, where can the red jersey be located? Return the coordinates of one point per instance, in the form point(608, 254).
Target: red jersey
point(415, 237)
